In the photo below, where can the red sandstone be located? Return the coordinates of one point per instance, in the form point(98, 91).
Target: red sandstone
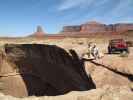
point(88, 29)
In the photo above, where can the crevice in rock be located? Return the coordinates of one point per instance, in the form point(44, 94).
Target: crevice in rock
point(130, 77)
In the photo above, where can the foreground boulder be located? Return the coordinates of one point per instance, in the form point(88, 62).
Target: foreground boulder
point(33, 69)
point(105, 93)
point(111, 70)
point(103, 76)
point(121, 65)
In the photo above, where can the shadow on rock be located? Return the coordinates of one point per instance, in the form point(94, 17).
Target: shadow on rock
point(43, 70)
point(80, 68)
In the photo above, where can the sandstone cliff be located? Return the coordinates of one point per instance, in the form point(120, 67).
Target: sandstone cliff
point(94, 27)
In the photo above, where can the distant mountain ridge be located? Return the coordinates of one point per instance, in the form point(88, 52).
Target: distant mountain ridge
point(96, 27)
point(87, 29)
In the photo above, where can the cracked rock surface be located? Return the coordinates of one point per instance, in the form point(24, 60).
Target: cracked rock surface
point(105, 93)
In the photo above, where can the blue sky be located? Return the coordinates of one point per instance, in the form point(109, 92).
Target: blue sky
point(20, 17)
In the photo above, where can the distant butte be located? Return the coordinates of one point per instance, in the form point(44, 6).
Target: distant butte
point(94, 27)
point(39, 32)
point(87, 29)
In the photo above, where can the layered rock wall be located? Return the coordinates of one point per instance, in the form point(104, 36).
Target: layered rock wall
point(95, 27)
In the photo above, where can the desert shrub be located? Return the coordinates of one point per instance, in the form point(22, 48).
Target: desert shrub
point(80, 43)
point(129, 43)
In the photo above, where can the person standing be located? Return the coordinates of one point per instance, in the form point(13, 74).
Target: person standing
point(95, 51)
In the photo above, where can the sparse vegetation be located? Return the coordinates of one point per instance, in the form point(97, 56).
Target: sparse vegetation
point(129, 43)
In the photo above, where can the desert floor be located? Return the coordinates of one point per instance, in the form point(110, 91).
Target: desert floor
point(117, 62)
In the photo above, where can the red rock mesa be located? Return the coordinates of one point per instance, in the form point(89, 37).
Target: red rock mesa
point(39, 32)
point(96, 27)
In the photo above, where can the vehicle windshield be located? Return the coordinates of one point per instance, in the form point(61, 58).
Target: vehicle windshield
point(117, 41)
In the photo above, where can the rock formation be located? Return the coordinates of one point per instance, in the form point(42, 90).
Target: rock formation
point(39, 32)
point(102, 76)
point(110, 70)
point(91, 28)
point(33, 69)
point(95, 27)
point(71, 28)
point(105, 93)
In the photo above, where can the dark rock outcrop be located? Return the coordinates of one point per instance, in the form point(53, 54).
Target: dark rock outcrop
point(33, 69)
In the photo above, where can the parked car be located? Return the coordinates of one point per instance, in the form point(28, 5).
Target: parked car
point(117, 45)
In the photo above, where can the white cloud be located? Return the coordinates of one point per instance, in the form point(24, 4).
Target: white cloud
point(122, 8)
point(68, 4)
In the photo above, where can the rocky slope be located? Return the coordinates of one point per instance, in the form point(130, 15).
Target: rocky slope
point(112, 75)
point(105, 93)
point(34, 69)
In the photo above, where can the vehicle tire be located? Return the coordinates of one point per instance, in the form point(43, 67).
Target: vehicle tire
point(127, 51)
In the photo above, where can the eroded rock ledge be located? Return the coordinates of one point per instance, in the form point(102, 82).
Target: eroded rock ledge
point(105, 93)
point(35, 69)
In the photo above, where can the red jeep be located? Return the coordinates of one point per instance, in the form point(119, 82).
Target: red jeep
point(117, 45)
